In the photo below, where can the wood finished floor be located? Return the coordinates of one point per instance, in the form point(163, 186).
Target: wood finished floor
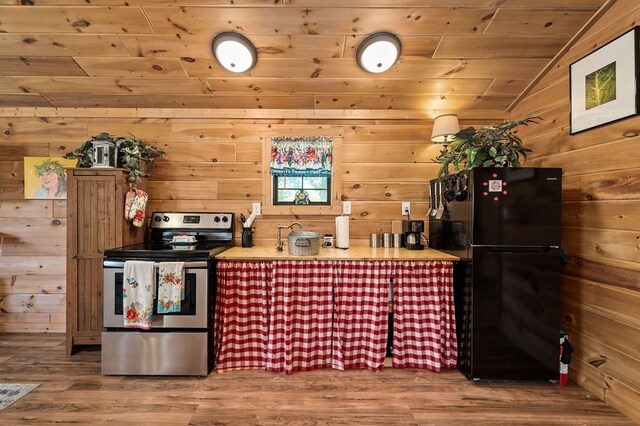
point(73, 391)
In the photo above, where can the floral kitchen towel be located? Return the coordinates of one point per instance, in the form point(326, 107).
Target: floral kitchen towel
point(137, 294)
point(170, 287)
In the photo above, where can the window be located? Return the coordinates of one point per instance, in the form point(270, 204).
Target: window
point(301, 175)
point(302, 190)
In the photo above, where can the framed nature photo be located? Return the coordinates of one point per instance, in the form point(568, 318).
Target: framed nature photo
point(604, 84)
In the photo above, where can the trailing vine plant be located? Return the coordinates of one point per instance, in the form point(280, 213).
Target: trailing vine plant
point(491, 146)
point(134, 155)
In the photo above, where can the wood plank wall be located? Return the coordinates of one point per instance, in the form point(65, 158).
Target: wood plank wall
point(601, 224)
point(211, 165)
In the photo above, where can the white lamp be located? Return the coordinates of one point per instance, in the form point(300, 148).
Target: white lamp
point(378, 52)
point(444, 126)
point(234, 52)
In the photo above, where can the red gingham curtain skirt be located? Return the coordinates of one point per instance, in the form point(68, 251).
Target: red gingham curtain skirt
point(288, 316)
point(361, 314)
point(241, 315)
point(300, 319)
point(424, 328)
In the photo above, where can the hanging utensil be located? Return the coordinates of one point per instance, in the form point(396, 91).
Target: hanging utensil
point(435, 199)
point(458, 188)
point(431, 202)
point(462, 194)
point(449, 193)
point(440, 210)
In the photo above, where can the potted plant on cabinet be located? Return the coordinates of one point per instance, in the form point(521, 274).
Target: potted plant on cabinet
point(491, 146)
point(133, 154)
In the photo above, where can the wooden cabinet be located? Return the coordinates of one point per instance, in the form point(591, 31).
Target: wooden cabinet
point(95, 222)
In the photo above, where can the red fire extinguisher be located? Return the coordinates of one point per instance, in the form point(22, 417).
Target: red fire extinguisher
point(565, 357)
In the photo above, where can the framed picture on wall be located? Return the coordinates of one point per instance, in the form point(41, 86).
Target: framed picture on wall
point(46, 177)
point(604, 84)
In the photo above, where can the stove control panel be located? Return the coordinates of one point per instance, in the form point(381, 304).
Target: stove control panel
point(164, 220)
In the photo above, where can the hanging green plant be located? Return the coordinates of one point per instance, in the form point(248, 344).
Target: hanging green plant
point(491, 146)
point(134, 155)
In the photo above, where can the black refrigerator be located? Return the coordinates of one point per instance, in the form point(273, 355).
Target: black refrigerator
point(504, 224)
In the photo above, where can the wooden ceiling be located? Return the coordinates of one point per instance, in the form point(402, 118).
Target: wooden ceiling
point(466, 56)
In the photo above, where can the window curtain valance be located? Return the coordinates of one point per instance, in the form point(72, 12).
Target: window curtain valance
point(306, 156)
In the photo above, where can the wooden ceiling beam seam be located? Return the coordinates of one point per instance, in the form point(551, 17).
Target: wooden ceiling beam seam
point(209, 113)
point(511, 4)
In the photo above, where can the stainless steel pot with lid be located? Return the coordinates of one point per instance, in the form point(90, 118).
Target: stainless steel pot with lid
point(303, 243)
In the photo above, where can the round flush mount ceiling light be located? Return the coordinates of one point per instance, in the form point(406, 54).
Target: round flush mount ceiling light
point(234, 52)
point(378, 52)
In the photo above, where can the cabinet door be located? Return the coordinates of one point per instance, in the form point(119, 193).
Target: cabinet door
point(93, 228)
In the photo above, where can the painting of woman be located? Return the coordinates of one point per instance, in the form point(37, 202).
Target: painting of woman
point(46, 177)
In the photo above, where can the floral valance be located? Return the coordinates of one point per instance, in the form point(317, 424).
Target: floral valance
point(306, 156)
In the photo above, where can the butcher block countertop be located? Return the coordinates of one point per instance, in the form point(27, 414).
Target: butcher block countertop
point(353, 253)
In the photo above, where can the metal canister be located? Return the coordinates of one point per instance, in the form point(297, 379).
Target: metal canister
point(387, 240)
point(375, 240)
point(397, 240)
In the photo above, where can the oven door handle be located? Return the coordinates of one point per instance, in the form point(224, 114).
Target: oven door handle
point(120, 264)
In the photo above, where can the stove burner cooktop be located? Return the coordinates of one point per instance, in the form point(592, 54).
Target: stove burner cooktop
point(213, 232)
point(148, 250)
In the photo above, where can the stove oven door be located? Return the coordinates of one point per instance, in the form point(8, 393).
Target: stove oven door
point(193, 313)
point(178, 344)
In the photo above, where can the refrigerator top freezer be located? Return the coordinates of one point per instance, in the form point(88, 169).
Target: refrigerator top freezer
point(516, 206)
point(497, 207)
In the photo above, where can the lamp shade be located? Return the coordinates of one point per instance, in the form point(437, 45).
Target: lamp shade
point(444, 126)
point(234, 52)
point(378, 52)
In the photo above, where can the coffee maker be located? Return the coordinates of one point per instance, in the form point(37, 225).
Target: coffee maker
point(413, 230)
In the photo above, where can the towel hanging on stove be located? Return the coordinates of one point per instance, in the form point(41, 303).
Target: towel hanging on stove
point(137, 294)
point(170, 287)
